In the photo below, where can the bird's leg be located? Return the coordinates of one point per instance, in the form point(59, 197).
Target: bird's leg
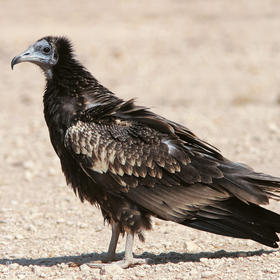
point(111, 254)
point(128, 254)
point(128, 259)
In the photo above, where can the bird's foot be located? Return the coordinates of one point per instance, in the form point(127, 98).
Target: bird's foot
point(125, 263)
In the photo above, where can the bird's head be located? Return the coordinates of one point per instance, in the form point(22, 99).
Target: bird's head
point(46, 53)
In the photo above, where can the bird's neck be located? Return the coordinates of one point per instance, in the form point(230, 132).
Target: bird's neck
point(70, 74)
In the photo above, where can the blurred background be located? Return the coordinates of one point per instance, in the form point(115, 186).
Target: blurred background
point(210, 65)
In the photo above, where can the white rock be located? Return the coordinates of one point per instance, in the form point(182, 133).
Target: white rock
point(84, 268)
point(203, 260)
point(28, 165)
point(36, 270)
point(31, 228)
point(13, 266)
point(207, 274)
point(191, 246)
point(140, 273)
point(113, 269)
point(273, 128)
point(18, 236)
point(5, 270)
point(270, 270)
point(82, 225)
point(98, 229)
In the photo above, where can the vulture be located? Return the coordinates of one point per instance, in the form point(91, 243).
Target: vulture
point(135, 164)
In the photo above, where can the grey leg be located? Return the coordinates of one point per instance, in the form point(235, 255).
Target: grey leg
point(128, 254)
point(113, 243)
point(128, 259)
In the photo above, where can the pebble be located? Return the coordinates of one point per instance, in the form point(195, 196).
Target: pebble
point(36, 270)
point(31, 228)
point(19, 237)
point(84, 268)
point(5, 270)
point(191, 246)
point(98, 229)
point(273, 128)
point(207, 274)
point(140, 273)
point(271, 270)
point(29, 165)
point(82, 225)
point(203, 260)
point(113, 269)
point(60, 221)
point(28, 175)
point(13, 266)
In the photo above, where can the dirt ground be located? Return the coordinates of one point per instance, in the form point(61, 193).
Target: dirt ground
point(211, 65)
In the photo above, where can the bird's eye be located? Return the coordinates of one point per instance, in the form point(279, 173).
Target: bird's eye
point(46, 49)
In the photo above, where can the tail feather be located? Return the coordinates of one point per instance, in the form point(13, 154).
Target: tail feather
point(247, 221)
point(268, 184)
point(247, 185)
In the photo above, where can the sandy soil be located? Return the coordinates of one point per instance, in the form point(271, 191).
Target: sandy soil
point(211, 65)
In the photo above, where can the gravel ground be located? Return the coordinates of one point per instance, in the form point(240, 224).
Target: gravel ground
point(211, 65)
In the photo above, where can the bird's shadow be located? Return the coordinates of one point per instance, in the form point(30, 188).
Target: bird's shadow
point(170, 257)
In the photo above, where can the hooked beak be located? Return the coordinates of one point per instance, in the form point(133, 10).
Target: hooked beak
point(32, 55)
point(27, 55)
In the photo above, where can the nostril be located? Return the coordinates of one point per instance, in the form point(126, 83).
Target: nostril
point(26, 54)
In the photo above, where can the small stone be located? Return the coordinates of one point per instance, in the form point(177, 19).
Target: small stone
point(98, 229)
point(51, 171)
point(203, 260)
point(271, 270)
point(13, 266)
point(64, 265)
point(113, 269)
point(31, 228)
point(19, 237)
point(28, 165)
point(36, 270)
point(21, 276)
point(28, 175)
point(273, 128)
point(207, 274)
point(167, 244)
point(191, 246)
point(84, 268)
point(82, 225)
point(140, 273)
point(5, 270)
point(158, 223)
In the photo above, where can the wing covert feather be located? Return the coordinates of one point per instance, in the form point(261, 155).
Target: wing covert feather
point(141, 157)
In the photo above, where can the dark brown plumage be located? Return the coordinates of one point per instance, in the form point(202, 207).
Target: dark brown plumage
point(135, 164)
